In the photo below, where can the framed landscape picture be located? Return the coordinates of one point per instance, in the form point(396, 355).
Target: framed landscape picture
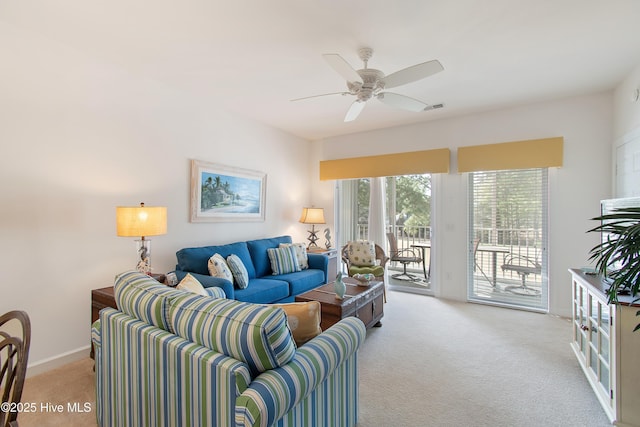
point(226, 194)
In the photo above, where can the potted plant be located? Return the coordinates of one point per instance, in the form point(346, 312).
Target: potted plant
point(620, 248)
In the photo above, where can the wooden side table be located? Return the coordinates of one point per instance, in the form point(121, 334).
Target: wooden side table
point(332, 254)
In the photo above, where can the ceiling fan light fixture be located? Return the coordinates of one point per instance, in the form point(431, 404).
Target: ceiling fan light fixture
point(367, 83)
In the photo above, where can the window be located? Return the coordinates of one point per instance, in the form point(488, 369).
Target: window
point(508, 238)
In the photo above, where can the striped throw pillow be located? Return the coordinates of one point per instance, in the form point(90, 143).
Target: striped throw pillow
point(301, 253)
point(283, 260)
point(239, 271)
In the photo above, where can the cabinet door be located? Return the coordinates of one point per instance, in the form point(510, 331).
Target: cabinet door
point(600, 343)
point(580, 308)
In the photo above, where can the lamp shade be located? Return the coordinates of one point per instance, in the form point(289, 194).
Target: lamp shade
point(312, 216)
point(140, 221)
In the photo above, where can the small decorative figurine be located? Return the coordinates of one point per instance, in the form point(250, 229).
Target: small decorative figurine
point(327, 235)
point(339, 286)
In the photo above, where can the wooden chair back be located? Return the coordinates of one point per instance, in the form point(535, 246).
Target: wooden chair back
point(14, 353)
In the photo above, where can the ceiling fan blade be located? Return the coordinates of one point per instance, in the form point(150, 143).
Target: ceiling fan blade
point(342, 67)
point(316, 96)
point(413, 73)
point(354, 111)
point(403, 102)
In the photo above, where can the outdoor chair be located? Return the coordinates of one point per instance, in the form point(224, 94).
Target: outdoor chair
point(477, 266)
point(404, 257)
point(15, 338)
point(523, 266)
point(375, 266)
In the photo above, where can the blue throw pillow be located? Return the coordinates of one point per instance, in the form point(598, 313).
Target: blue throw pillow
point(238, 270)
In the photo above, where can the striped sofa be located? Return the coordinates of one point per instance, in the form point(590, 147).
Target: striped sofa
point(172, 358)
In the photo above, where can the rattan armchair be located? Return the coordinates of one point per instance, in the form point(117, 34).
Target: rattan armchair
point(377, 270)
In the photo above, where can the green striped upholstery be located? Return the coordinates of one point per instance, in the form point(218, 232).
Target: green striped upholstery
point(149, 377)
point(318, 388)
point(215, 292)
point(142, 297)
point(217, 362)
point(255, 334)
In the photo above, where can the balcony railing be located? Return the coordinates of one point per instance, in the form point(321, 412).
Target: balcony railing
point(524, 243)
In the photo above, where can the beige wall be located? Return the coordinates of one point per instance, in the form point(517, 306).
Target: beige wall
point(627, 111)
point(575, 189)
point(79, 137)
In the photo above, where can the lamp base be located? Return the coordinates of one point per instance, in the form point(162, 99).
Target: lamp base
point(313, 237)
point(143, 247)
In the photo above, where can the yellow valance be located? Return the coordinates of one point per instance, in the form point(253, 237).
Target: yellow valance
point(534, 153)
point(415, 162)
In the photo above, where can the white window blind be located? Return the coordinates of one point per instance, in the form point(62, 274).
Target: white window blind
point(508, 238)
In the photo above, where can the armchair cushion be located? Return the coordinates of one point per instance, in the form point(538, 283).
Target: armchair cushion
point(376, 270)
point(361, 253)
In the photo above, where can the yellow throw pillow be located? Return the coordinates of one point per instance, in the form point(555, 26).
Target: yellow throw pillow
point(303, 319)
point(191, 284)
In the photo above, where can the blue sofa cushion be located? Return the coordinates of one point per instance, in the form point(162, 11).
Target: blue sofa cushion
point(302, 281)
point(196, 260)
point(263, 291)
point(258, 250)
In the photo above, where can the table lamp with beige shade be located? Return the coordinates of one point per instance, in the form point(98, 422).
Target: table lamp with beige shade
point(312, 216)
point(141, 221)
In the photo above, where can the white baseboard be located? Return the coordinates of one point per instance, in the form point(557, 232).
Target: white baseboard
point(46, 365)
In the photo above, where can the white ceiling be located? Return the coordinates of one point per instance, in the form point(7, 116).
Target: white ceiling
point(254, 56)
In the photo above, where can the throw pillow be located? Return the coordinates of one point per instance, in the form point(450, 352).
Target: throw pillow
point(218, 268)
point(238, 270)
point(283, 260)
point(301, 253)
point(361, 252)
point(191, 284)
point(303, 319)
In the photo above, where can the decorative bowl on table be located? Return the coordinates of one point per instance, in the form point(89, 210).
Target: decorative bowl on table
point(364, 279)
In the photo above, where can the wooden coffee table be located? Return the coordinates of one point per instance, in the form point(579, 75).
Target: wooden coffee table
point(363, 302)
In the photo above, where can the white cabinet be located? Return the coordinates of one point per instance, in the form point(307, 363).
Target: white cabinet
point(607, 348)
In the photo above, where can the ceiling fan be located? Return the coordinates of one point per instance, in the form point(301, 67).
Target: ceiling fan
point(370, 83)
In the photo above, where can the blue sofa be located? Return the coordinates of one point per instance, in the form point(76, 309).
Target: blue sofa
point(264, 287)
point(170, 358)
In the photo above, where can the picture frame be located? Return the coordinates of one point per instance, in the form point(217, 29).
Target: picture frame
point(222, 193)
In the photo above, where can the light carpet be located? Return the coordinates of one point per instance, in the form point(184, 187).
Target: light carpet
point(432, 363)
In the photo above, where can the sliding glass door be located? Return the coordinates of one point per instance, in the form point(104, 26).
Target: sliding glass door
point(407, 214)
point(508, 238)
